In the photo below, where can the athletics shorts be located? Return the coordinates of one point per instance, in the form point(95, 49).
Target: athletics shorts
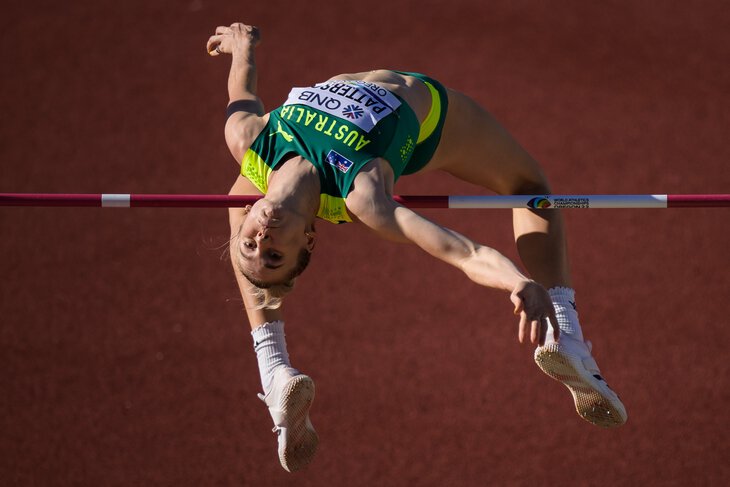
point(431, 128)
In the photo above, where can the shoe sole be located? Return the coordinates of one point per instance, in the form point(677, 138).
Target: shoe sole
point(593, 398)
point(301, 441)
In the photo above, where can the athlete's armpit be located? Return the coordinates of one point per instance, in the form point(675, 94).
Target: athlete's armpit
point(241, 130)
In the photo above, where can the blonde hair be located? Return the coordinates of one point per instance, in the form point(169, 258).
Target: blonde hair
point(270, 296)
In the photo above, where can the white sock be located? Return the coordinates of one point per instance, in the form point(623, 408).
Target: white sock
point(269, 342)
point(566, 312)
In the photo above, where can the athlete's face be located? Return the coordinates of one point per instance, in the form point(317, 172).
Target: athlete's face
point(270, 241)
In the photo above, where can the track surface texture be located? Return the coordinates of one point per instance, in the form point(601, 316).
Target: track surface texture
point(125, 356)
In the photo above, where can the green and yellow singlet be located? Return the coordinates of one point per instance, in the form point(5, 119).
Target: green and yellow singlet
point(339, 127)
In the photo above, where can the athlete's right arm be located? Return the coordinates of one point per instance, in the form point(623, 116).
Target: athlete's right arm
point(482, 264)
point(256, 317)
point(245, 109)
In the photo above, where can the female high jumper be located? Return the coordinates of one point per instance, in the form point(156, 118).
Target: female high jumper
point(333, 151)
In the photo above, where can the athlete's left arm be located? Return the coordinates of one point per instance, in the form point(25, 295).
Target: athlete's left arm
point(245, 108)
point(480, 263)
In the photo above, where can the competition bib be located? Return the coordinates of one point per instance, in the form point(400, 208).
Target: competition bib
point(358, 102)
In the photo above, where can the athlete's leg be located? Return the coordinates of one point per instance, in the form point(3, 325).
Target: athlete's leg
point(476, 148)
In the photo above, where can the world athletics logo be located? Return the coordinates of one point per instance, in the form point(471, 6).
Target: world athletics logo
point(539, 203)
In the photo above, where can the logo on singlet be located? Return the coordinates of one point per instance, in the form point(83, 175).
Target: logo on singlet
point(352, 112)
point(287, 136)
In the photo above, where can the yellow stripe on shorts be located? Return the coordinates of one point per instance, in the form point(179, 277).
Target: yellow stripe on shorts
point(432, 119)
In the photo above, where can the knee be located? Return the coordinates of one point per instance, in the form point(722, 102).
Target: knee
point(531, 186)
point(533, 182)
point(524, 176)
point(529, 178)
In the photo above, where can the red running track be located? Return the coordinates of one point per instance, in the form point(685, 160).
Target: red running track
point(126, 358)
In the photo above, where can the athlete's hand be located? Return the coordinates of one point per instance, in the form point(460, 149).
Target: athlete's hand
point(533, 304)
point(227, 39)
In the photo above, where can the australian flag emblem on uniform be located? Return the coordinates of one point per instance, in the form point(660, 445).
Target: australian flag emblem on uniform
point(353, 111)
point(339, 161)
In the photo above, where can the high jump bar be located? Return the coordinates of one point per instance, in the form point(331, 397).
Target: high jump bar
point(115, 200)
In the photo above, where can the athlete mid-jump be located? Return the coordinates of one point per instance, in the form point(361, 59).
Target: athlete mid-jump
point(334, 151)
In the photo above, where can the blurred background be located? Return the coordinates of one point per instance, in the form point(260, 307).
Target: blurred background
point(125, 356)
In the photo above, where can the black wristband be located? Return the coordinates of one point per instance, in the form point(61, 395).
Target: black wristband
point(249, 106)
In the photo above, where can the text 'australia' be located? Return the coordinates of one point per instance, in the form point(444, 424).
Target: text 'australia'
point(324, 124)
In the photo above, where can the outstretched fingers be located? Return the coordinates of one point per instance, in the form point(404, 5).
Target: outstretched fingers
point(541, 326)
point(520, 311)
point(536, 327)
point(536, 331)
point(536, 311)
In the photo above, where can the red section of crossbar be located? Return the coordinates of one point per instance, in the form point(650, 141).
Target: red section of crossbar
point(49, 199)
point(191, 200)
point(423, 201)
point(698, 200)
